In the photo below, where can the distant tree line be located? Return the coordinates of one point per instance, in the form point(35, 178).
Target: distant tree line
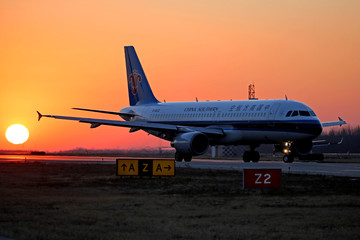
point(350, 136)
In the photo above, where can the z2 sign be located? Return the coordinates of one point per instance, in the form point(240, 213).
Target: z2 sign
point(262, 178)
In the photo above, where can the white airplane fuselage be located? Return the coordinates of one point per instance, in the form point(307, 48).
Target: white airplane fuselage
point(243, 122)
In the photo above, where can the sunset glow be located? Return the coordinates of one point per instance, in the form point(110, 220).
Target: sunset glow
point(56, 55)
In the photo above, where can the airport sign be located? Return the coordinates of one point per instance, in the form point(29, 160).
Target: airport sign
point(261, 178)
point(127, 167)
point(145, 167)
point(163, 168)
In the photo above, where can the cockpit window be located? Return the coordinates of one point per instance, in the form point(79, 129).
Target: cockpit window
point(295, 113)
point(304, 113)
point(301, 113)
point(312, 113)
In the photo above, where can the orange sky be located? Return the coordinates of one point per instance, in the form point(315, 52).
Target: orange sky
point(55, 55)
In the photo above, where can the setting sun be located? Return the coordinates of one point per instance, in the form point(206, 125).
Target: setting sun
point(17, 134)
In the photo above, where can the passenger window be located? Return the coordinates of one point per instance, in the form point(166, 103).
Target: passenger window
point(259, 107)
point(295, 113)
point(288, 114)
point(304, 113)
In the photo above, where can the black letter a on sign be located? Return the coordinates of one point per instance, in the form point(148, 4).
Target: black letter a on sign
point(159, 168)
point(131, 168)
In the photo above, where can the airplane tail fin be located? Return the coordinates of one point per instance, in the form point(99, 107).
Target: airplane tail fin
point(139, 88)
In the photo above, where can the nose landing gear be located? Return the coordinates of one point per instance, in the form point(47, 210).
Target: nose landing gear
point(181, 156)
point(288, 157)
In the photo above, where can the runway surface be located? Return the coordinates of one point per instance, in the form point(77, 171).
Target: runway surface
point(312, 168)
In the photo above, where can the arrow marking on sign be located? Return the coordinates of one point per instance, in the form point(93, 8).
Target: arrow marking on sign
point(124, 166)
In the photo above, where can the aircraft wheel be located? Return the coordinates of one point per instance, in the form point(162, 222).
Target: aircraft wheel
point(320, 157)
point(247, 156)
point(317, 157)
point(288, 158)
point(178, 157)
point(187, 158)
point(255, 156)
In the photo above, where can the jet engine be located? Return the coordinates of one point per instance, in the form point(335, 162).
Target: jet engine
point(194, 143)
point(302, 147)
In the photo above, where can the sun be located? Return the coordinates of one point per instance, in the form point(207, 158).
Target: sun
point(17, 134)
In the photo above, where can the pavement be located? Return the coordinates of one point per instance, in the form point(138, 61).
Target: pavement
point(311, 168)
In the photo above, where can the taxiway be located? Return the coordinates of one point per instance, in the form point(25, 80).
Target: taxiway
point(312, 168)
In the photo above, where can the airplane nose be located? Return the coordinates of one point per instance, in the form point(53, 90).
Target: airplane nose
point(317, 128)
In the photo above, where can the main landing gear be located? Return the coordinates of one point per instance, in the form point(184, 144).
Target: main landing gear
point(251, 155)
point(180, 156)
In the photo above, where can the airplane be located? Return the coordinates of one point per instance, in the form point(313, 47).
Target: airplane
point(191, 127)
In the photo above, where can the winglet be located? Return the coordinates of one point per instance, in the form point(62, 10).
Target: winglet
point(342, 121)
point(337, 123)
point(40, 115)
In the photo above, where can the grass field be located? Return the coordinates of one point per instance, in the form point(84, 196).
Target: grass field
point(79, 201)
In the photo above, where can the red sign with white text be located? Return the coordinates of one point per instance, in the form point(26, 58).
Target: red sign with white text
point(262, 178)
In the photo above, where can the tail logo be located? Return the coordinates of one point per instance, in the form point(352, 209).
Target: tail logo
point(134, 80)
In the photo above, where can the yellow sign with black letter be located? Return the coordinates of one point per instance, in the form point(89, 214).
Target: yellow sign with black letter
point(127, 167)
point(163, 168)
point(145, 167)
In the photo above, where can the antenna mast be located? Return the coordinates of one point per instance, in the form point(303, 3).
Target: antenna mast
point(252, 92)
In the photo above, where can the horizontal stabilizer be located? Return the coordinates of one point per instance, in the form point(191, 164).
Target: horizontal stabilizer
point(106, 112)
point(39, 115)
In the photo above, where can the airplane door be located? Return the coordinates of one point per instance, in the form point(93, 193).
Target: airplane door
point(272, 113)
point(217, 116)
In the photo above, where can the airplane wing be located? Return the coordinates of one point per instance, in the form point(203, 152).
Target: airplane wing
point(137, 125)
point(337, 123)
point(324, 143)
